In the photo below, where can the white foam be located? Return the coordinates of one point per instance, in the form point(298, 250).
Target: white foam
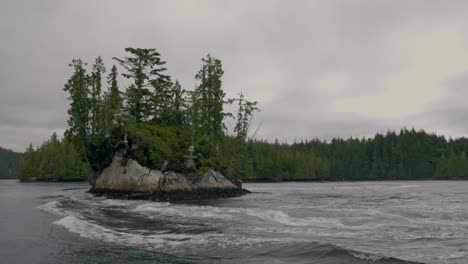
point(274, 217)
point(88, 229)
point(362, 226)
point(168, 241)
point(53, 208)
point(189, 212)
point(364, 256)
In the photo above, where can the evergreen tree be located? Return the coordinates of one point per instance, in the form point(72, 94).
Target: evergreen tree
point(9, 163)
point(174, 111)
point(145, 68)
point(53, 160)
point(209, 98)
point(159, 114)
point(96, 101)
point(112, 99)
point(114, 94)
point(28, 166)
point(80, 106)
point(245, 114)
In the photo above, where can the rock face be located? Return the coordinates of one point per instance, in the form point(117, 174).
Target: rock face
point(126, 178)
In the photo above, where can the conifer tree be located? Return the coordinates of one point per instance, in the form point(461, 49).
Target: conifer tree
point(112, 99)
point(209, 98)
point(145, 68)
point(28, 166)
point(179, 105)
point(115, 100)
point(53, 160)
point(245, 114)
point(96, 101)
point(173, 107)
point(80, 106)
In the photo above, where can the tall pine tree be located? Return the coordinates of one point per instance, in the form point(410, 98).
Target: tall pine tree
point(96, 101)
point(145, 68)
point(112, 99)
point(80, 106)
point(208, 98)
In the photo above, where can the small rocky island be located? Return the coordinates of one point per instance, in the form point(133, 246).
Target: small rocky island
point(151, 139)
point(126, 178)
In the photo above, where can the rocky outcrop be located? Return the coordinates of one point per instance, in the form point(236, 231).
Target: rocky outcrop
point(126, 178)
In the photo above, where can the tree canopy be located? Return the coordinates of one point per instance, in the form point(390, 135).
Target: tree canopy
point(163, 126)
point(9, 163)
point(53, 160)
point(407, 155)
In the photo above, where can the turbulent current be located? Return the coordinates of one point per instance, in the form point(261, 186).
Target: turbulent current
point(348, 222)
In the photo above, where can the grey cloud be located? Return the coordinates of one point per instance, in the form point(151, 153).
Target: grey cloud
point(276, 52)
point(449, 114)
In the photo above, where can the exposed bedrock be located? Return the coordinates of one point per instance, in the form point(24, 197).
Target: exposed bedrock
point(127, 179)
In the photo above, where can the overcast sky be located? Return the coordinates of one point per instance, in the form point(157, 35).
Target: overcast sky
point(317, 68)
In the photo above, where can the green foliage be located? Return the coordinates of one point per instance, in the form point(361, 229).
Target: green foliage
point(54, 160)
point(166, 148)
point(79, 113)
point(156, 122)
point(173, 107)
point(97, 119)
point(408, 155)
point(115, 99)
point(453, 166)
point(245, 114)
point(9, 163)
point(208, 99)
point(145, 68)
point(211, 153)
point(159, 147)
point(113, 103)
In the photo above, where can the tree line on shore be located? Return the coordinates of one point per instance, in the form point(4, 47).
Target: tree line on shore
point(53, 160)
point(153, 120)
point(407, 155)
point(163, 126)
point(9, 163)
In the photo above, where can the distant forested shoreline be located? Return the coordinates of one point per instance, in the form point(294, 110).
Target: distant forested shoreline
point(156, 122)
point(9, 163)
point(406, 155)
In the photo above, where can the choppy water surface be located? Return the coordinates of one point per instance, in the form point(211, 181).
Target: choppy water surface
point(360, 222)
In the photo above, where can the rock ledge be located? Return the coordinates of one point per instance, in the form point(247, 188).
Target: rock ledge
point(127, 179)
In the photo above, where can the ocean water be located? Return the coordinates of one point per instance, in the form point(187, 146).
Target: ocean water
point(346, 222)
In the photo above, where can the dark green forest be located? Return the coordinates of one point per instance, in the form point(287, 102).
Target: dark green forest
point(154, 120)
point(407, 155)
point(9, 163)
point(53, 160)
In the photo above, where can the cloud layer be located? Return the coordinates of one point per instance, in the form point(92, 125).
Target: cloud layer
point(318, 68)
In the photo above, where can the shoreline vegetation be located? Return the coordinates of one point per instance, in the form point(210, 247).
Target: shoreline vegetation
point(9, 163)
point(156, 122)
point(446, 163)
